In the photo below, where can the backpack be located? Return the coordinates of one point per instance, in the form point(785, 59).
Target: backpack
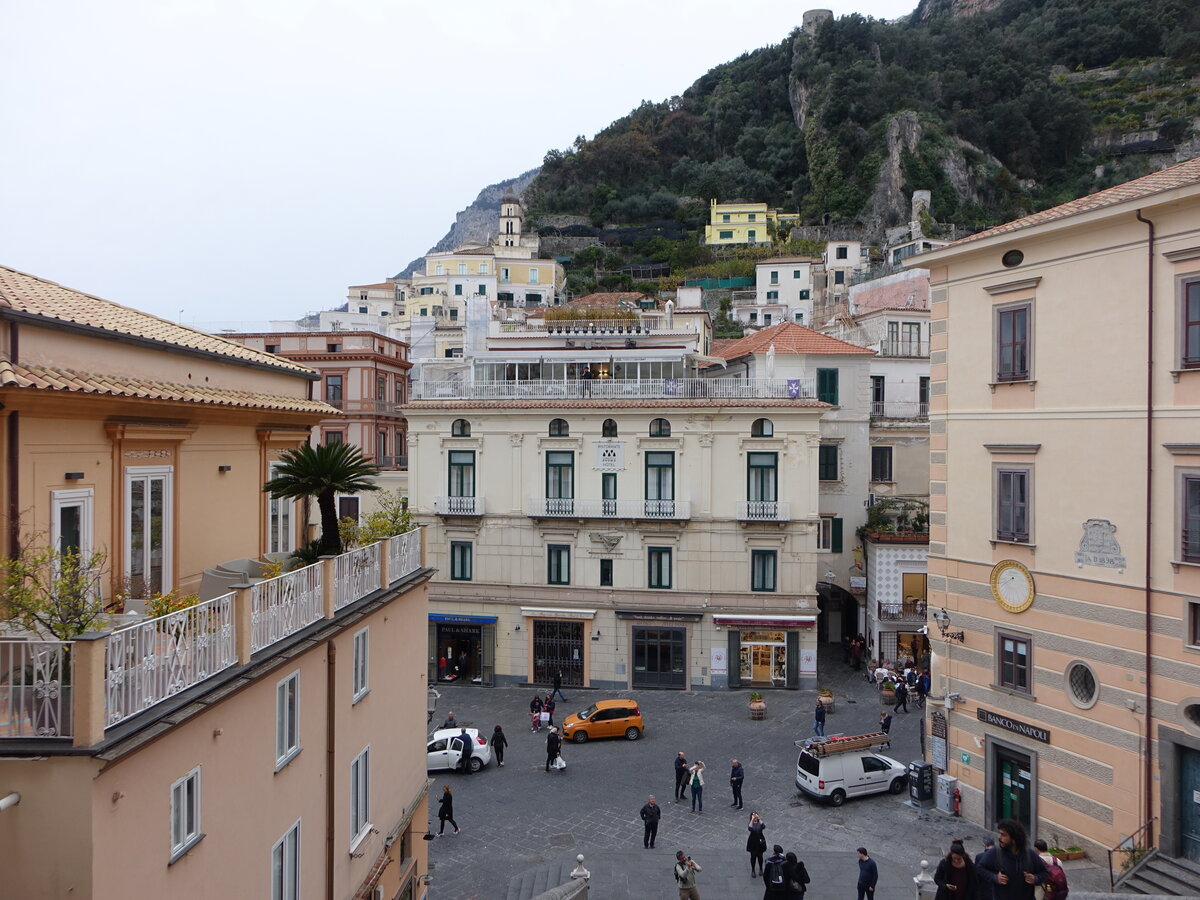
point(776, 876)
point(1056, 885)
point(801, 873)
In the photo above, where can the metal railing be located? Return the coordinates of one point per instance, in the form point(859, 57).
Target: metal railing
point(1124, 858)
point(763, 511)
point(355, 574)
point(392, 462)
point(556, 507)
point(375, 407)
point(151, 661)
point(35, 689)
point(620, 389)
point(404, 554)
point(899, 409)
point(899, 610)
point(282, 606)
point(906, 349)
point(458, 506)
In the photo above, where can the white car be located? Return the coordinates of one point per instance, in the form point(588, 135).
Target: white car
point(835, 774)
point(444, 750)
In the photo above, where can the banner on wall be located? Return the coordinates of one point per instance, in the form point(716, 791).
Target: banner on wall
point(808, 662)
point(719, 661)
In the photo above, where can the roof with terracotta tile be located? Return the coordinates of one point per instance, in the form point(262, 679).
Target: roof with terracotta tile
point(70, 381)
point(608, 403)
point(30, 294)
point(381, 285)
point(788, 337)
point(1181, 175)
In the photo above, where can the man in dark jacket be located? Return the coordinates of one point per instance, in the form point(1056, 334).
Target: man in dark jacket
point(901, 696)
point(868, 875)
point(468, 748)
point(736, 776)
point(558, 686)
point(681, 776)
point(650, 814)
point(775, 875)
point(1012, 868)
point(553, 744)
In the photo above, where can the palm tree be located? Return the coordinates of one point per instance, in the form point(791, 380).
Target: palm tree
point(323, 472)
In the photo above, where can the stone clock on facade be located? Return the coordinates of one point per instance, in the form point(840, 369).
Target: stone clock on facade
point(1012, 586)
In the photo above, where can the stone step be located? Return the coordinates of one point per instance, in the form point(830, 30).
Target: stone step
point(1164, 875)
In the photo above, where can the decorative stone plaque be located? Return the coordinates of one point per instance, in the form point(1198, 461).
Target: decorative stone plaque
point(1099, 547)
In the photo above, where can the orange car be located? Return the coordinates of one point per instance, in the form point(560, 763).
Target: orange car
point(605, 718)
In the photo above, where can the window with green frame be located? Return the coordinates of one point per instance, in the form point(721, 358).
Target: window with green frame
point(558, 564)
point(827, 386)
point(460, 560)
point(725, 236)
point(762, 570)
point(660, 481)
point(659, 565)
point(761, 481)
point(827, 462)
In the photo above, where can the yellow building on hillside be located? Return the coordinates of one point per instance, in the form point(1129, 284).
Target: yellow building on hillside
point(743, 223)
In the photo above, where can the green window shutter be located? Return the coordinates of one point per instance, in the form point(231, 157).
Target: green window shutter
point(827, 386)
point(735, 657)
point(835, 537)
point(827, 462)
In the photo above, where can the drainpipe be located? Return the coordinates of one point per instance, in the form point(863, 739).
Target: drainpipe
point(13, 453)
point(1147, 761)
point(330, 760)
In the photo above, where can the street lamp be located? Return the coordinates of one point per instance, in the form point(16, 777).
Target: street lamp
point(942, 618)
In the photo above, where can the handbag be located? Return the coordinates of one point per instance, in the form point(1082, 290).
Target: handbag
point(544, 717)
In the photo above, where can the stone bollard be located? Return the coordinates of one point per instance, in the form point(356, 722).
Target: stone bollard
point(579, 871)
point(924, 881)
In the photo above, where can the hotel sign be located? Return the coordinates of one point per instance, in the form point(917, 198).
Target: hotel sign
point(1032, 731)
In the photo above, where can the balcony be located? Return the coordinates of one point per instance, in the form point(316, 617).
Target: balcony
point(913, 410)
point(558, 508)
point(904, 349)
point(910, 610)
point(763, 511)
point(369, 407)
point(392, 463)
point(458, 506)
point(620, 389)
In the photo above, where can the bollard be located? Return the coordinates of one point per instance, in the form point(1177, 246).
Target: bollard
point(924, 881)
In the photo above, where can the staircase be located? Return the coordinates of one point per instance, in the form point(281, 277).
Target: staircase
point(534, 882)
point(1163, 875)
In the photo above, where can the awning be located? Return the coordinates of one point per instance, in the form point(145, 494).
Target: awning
point(767, 621)
point(550, 612)
point(660, 615)
point(468, 620)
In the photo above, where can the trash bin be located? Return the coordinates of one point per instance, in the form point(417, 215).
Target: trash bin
point(920, 784)
point(946, 786)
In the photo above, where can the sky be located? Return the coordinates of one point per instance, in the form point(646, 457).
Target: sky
point(226, 162)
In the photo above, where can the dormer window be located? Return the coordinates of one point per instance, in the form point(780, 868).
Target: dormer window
point(559, 428)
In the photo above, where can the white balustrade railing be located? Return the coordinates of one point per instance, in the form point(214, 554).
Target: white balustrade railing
point(153, 660)
point(557, 507)
point(899, 409)
point(355, 574)
point(35, 689)
point(404, 554)
point(458, 506)
point(282, 606)
point(718, 388)
point(763, 511)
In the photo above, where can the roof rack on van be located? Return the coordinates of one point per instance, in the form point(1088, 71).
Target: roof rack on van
point(835, 744)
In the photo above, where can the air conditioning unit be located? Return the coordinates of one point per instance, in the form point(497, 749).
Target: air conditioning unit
point(870, 501)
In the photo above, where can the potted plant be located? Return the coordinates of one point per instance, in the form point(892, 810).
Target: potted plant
point(758, 706)
point(887, 690)
point(825, 698)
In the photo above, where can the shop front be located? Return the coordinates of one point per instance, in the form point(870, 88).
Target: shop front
point(462, 649)
point(558, 640)
point(1011, 774)
point(658, 643)
point(771, 651)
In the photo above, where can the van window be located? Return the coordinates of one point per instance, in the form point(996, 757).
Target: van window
point(874, 764)
point(810, 764)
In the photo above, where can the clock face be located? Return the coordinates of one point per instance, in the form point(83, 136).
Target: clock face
point(1012, 586)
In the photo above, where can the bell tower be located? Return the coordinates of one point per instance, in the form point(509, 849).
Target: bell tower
point(512, 220)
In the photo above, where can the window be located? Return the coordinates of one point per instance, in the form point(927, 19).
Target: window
point(799, 318)
point(762, 570)
point(660, 428)
point(533, 300)
point(609, 429)
point(185, 813)
point(285, 866)
point(460, 560)
point(533, 276)
point(460, 428)
point(483, 268)
point(753, 217)
point(724, 218)
point(772, 295)
point(481, 290)
point(762, 428)
point(659, 559)
point(348, 508)
point(606, 573)
point(71, 523)
point(457, 293)
point(1193, 625)
point(462, 473)
point(454, 314)
point(462, 268)
point(559, 428)
point(660, 483)
point(797, 273)
point(827, 462)
point(1012, 505)
point(923, 396)
point(762, 486)
point(279, 518)
point(878, 392)
point(1191, 325)
point(766, 319)
point(504, 274)
point(751, 235)
point(381, 448)
point(560, 481)
point(1012, 343)
point(881, 463)
point(362, 309)
point(725, 235)
point(842, 253)
point(608, 493)
point(829, 538)
point(381, 391)
point(333, 348)
point(839, 277)
point(558, 564)
point(827, 386)
point(272, 348)
point(753, 318)
point(774, 278)
point(149, 525)
point(805, 294)
point(1013, 657)
point(333, 390)
point(439, 269)
point(287, 719)
point(360, 672)
point(360, 796)
point(1082, 688)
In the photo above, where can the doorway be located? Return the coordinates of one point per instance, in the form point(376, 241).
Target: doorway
point(1189, 804)
point(762, 658)
point(557, 646)
point(1012, 787)
point(463, 652)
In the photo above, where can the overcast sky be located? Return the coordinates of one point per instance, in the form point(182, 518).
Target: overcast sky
point(241, 160)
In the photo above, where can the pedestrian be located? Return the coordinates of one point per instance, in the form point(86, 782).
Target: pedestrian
point(737, 775)
point(885, 725)
point(450, 722)
point(462, 664)
point(553, 745)
point(468, 749)
point(846, 649)
point(685, 876)
point(499, 742)
point(535, 714)
point(1011, 867)
point(441, 668)
point(985, 887)
point(819, 719)
point(1056, 887)
point(681, 776)
point(856, 651)
point(548, 707)
point(446, 810)
point(901, 696)
point(587, 376)
point(868, 875)
point(697, 782)
point(955, 875)
point(922, 688)
point(558, 686)
point(756, 843)
point(774, 878)
point(650, 814)
point(796, 875)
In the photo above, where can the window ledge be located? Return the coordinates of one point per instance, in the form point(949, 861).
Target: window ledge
point(359, 838)
point(1029, 544)
point(1175, 373)
point(185, 849)
point(1014, 692)
point(1176, 563)
point(282, 764)
point(361, 695)
point(1031, 382)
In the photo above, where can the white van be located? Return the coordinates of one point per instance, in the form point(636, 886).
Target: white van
point(838, 768)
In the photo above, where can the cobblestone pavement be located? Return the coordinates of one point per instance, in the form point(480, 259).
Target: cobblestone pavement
point(518, 818)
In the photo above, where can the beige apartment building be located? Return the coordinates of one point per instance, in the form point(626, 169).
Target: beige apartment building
point(1065, 467)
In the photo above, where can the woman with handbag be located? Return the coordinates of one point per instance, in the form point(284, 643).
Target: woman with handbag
point(795, 877)
point(756, 842)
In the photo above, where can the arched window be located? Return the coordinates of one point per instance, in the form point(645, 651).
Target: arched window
point(762, 428)
point(660, 428)
point(460, 428)
point(559, 428)
point(610, 428)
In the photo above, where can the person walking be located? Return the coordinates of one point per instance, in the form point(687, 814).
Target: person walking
point(697, 782)
point(450, 722)
point(553, 745)
point(774, 879)
point(922, 688)
point(756, 843)
point(685, 876)
point(468, 750)
point(650, 813)
point(1011, 867)
point(446, 810)
point(901, 696)
point(535, 714)
point(868, 875)
point(819, 719)
point(681, 776)
point(499, 742)
point(955, 875)
point(796, 875)
point(737, 775)
point(885, 725)
point(558, 686)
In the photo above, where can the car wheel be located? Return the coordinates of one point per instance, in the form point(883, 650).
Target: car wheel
point(837, 798)
point(476, 764)
point(896, 786)
point(579, 737)
point(632, 733)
